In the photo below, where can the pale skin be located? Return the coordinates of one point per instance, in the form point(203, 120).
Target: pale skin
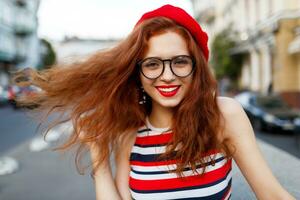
point(237, 129)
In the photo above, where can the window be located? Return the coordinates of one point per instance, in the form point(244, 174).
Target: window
point(270, 7)
point(257, 11)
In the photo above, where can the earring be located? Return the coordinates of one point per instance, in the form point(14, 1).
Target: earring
point(143, 99)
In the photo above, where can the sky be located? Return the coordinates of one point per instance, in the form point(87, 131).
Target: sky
point(95, 19)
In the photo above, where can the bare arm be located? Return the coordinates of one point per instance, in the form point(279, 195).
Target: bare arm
point(104, 182)
point(248, 156)
point(123, 166)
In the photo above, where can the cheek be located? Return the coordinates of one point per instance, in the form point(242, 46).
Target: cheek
point(146, 83)
point(187, 85)
point(187, 82)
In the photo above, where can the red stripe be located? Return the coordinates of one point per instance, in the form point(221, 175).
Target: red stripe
point(154, 139)
point(163, 139)
point(173, 183)
point(158, 163)
point(210, 152)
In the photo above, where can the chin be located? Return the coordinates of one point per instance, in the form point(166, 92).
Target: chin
point(169, 104)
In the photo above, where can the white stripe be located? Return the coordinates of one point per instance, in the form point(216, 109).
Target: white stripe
point(150, 133)
point(201, 192)
point(174, 175)
point(165, 167)
point(148, 150)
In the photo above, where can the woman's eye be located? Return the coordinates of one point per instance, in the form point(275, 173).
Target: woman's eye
point(151, 64)
point(181, 61)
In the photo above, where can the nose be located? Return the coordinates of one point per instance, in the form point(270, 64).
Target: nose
point(167, 74)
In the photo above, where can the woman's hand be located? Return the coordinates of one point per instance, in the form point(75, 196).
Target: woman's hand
point(105, 187)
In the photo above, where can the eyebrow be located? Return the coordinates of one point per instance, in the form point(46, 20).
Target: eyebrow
point(168, 57)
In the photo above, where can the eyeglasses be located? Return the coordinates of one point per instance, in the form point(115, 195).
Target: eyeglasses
point(153, 67)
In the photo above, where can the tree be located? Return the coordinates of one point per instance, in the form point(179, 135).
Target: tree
point(224, 63)
point(48, 55)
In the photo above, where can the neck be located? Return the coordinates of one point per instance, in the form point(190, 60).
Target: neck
point(160, 116)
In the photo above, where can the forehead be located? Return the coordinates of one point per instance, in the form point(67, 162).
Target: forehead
point(166, 45)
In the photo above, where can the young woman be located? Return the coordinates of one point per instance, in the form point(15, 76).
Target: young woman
point(153, 102)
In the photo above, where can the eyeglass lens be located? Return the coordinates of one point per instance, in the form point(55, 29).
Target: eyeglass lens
point(181, 66)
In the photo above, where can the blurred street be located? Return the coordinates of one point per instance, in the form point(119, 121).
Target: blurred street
point(45, 174)
point(16, 128)
point(41, 172)
point(254, 49)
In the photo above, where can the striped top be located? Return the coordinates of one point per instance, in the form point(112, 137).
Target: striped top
point(150, 179)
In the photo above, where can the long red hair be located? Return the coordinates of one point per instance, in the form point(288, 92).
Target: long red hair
point(101, 97)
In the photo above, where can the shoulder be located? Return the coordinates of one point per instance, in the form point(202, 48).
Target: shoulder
point(235, 118)
point(229, 106)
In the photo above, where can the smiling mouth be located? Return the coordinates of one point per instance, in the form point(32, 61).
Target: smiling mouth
point(168, 91)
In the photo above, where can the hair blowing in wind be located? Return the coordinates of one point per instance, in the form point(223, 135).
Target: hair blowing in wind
point(100, 96)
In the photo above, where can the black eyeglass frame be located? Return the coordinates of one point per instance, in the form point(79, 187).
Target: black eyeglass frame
point(139, 64)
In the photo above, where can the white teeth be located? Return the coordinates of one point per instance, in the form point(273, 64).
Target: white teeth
point(167, 89)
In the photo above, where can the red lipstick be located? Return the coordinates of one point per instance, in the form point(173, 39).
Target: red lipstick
point(168, 90)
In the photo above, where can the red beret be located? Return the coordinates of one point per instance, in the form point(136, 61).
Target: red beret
point(182, 18)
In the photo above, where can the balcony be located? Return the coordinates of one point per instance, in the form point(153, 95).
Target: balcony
point(6, 56)
point(7, 47)
point(24, 23)
point(21, 3)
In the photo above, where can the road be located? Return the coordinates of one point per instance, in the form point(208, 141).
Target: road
point(49, 175)
point(283, 141)
point(16, 126)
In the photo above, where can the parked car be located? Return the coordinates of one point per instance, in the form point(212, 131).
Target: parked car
point(15, 92)
point(269, 112)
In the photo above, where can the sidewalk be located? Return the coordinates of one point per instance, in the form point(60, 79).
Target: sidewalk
point(49, 175)
point(284, 166)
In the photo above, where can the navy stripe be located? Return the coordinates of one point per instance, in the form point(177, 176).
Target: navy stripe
point(148, 129)
point(218, 196)
point(185, 169)
point(147, 158)
point(144, 130)
point(185, 188)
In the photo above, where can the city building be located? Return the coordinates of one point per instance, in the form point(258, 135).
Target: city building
point(19, 43)
point(73, 49)
point(267, 33)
